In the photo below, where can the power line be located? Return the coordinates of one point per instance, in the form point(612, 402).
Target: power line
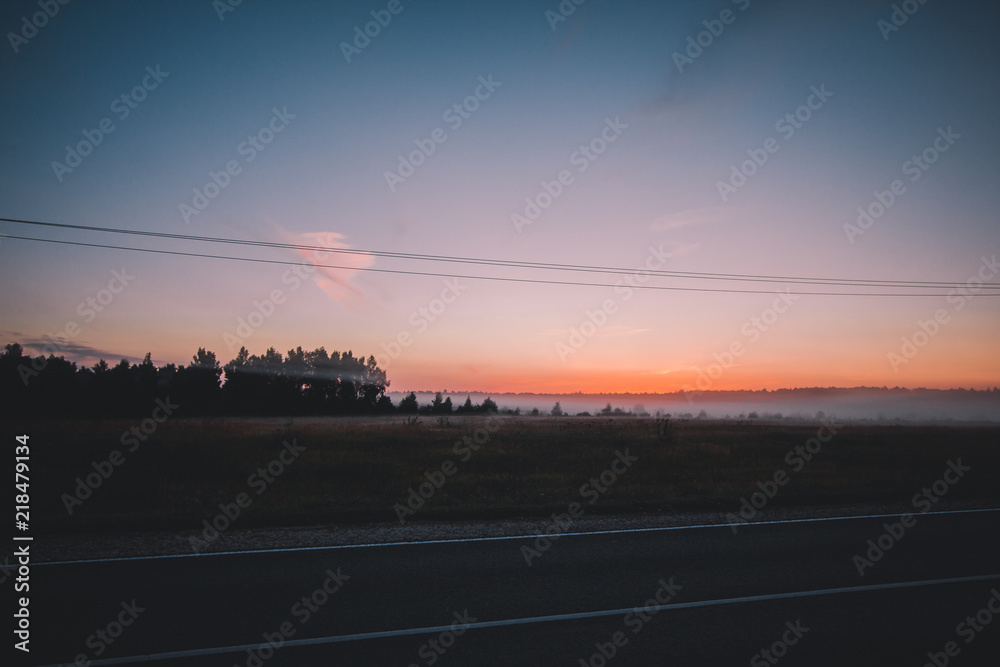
point(735, 277)
point(453, 275)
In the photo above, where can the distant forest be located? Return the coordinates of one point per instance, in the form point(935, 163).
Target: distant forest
point(298, 383)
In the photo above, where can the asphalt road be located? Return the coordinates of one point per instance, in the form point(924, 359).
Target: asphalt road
point(715, 598)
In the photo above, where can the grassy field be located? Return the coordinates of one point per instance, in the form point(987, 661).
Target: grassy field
point(354, 470)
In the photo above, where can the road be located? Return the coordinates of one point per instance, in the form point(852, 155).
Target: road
point(715, 598)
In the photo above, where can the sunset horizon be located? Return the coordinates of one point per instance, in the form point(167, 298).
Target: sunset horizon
point(667, 215)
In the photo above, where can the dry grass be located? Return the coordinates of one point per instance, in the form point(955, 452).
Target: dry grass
point(356, 469)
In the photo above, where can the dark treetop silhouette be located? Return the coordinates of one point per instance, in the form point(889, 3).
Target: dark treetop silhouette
point(299, 383)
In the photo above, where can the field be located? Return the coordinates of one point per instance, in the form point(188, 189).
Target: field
point(363, 470)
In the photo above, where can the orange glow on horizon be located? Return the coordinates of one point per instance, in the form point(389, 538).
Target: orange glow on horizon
point(525, 369)
point(644, 382)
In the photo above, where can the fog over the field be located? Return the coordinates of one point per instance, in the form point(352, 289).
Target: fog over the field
point(849, 404)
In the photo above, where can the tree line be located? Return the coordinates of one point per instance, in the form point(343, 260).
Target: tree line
point(444, 406)
point(297, 383)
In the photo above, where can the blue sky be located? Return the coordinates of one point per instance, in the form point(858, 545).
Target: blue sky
point(655, 186)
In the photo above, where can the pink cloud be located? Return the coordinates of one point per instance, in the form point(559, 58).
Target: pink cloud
point(336, 282)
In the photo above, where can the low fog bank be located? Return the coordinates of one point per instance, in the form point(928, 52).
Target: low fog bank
point(917, 405)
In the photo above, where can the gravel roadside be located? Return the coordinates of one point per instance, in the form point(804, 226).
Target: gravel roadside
point(62, 548)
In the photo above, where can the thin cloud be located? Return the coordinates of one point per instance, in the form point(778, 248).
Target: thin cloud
point(685, 249)
point(691, 217)
point(577, 23)
point(335, 282)
point(338, 283)
point(79, 352)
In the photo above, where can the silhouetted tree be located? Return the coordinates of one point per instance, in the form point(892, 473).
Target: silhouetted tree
point(13, 364)
point(440, 405)
point(198, 389)
point(240, 387)
point(409, 404)
point(374, 384)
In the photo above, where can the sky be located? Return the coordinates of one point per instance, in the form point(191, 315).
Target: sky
point(610, 136)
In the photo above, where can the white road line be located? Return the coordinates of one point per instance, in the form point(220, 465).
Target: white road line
point(460, 540)
point(173, 655)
